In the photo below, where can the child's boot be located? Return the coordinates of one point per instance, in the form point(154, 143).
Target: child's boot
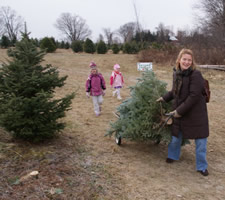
point(114, 93)
point(119, 97)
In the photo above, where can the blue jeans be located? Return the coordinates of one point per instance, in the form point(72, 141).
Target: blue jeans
point(174, 149)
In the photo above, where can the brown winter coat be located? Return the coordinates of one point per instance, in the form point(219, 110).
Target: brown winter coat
point(191, 105)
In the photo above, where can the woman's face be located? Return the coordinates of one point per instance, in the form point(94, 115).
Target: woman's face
point(185, 61)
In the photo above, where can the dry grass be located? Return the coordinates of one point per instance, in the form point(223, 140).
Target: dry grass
point(87, 165)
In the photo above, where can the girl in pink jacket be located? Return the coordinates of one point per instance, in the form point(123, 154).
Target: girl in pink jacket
point(116, 81)
point(95, 86)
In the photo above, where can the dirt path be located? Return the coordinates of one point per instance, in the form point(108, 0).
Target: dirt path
point(138, 171)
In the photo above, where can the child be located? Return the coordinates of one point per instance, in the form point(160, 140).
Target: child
point(95, 85)
point(116, 81)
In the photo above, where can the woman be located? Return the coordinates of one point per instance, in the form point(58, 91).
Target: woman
point(190, 110)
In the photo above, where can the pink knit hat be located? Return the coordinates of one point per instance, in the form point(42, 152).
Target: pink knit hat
point(92, 65)
point(116, 67)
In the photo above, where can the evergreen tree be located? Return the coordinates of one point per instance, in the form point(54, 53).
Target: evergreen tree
point(146, 36)
point(140, 116)
point(131, 47)
point(115, 48)
point(35, 42)
point(57, 43)
point(5, 42)
point(28, 108)
point(77, 46)
point(13, 41)
point(62, 45)
point(53, 41)
point(101, 47)
point(67, 45)
point(48, 44)
point(89, 46)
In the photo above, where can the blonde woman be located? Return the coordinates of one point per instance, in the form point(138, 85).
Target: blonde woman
point(190, 110)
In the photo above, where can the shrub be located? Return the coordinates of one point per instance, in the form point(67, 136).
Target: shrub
point(101, 47)
point(115, 48)
point(47, 44)
point(131, 47)
point(89, 46)
point(209, 56)
point(166, 54)
point(77, 46)
point(35, 42)
point(156, 45)
point(5, 42)
point(67, 45)
point(53, 40)
point(62, 45)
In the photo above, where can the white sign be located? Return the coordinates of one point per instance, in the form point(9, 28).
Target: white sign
point(144, 66)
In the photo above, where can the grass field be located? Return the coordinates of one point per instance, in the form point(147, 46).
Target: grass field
point(83, 164)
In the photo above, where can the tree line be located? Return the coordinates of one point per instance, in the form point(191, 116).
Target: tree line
point(208, 37)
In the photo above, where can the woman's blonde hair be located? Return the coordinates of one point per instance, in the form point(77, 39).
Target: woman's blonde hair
point(182, 52)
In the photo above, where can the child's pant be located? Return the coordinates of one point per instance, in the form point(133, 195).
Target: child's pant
point(97, 101)
point(117, 93)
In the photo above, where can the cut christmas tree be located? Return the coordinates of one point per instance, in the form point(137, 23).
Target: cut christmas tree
point(140, 117)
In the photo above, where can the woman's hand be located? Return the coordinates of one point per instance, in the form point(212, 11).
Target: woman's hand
point(160, 99)
point(175, 114)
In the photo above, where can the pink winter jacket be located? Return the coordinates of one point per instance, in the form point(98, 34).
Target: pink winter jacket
point(116, 79)
point(95, 84)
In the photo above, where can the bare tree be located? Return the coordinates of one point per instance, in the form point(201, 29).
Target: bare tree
point(163, 33)
point(10, 23)
point(100, 38)
point(116, 40)
point(73, 27)
point(139, 28)
point(213, 19)
point(109, 35)
point(127, 31)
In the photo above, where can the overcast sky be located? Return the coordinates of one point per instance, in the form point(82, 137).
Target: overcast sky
point(41, 15)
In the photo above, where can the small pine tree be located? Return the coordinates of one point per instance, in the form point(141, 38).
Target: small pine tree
point(115, 48)
point(89, 46)
point(77, 46)
point(28, 108)
point(101, 47)
point(62, 45)
point(122, 47)
point(131, 47)
point(57, 43)
point(13, 41)
point(67, 45)
point(53, 40)
point(156, 45)
point(127, 48)
point(5, 42)
point(48, 44)
point(35, 42)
